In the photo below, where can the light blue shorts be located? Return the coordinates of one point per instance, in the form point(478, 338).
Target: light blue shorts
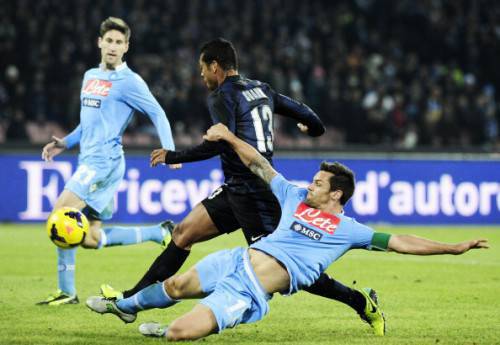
point(235, 294)
point(95, 181)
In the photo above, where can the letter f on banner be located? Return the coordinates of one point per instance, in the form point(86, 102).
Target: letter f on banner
point(36, 191)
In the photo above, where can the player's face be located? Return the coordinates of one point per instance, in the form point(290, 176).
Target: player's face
point(113, 46)
point(207, 72)
point(319, 190)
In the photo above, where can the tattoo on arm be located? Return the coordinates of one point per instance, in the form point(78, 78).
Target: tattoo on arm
point(261, 167)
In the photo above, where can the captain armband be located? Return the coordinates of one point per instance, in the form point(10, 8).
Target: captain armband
point(380, 241)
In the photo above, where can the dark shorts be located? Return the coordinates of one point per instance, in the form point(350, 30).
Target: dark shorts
point(257, 214)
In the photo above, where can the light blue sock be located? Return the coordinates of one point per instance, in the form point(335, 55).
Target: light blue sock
point(123, 236)
point(154, 296)
point(66, 270)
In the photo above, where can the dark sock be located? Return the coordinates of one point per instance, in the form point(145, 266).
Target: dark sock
point(165, 266)
point(328, 287)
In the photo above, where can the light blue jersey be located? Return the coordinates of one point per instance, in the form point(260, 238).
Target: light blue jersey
point(108, 102)
point(308, 240)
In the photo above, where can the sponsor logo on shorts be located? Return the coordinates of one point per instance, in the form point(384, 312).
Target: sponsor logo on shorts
point(97, 87)
point(321, 220)
point(308, 232)
point(91, 102)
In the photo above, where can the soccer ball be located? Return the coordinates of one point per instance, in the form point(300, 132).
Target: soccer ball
point(67, 227)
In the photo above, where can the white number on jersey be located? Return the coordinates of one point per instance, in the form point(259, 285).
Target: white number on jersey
point(262, 117)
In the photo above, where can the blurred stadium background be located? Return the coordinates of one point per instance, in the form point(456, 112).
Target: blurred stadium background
point(393, 74)
point(408, 90)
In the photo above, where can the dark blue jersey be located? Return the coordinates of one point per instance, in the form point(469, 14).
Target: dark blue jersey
point(247, 108)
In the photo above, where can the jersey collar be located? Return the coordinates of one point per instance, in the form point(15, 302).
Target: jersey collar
point(117, 69)
point(232, 78)
point(228, 80)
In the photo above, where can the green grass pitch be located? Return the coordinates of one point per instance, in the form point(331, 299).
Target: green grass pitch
point(427, 300)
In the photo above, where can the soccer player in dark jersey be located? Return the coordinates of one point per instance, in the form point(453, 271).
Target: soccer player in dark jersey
point(244, 201)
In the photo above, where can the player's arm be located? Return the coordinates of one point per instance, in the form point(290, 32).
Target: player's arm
point(73, 138)
point(308, 121)
point(140, 98)
point(205, 150)
point(410, 244)
point(58, 145)
point(220, 106)
point(259, 165)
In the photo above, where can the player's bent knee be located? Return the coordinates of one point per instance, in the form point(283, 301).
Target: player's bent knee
point(182, 236)
point(175, 287)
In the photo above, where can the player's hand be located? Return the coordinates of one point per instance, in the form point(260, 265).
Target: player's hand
point(303, 128)
point(158, 156)
point(52, 149)
point(217, 132)
point(175, 166)
point(463, 247)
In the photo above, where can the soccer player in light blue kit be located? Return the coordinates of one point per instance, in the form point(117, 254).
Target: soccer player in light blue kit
point(110, 96)
point(313, 233)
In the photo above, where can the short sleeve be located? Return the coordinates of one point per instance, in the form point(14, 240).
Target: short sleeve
point(282, 188)
point(361, 235)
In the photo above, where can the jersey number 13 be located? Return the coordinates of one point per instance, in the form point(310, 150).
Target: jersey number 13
point(262, 117)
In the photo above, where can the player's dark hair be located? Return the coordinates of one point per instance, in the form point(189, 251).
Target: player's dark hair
point(113, 23)
point(342, 179)
point(222, 51)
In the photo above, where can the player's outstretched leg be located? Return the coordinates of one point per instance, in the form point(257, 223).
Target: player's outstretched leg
point(124, 236)
point(196, 227)
point(154, 296)
point(164, 266)
point(159, 295)
point(109, 292)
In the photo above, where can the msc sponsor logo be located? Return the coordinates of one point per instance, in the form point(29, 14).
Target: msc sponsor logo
point(308, 232)
point(91, 102)
point(321, 220)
